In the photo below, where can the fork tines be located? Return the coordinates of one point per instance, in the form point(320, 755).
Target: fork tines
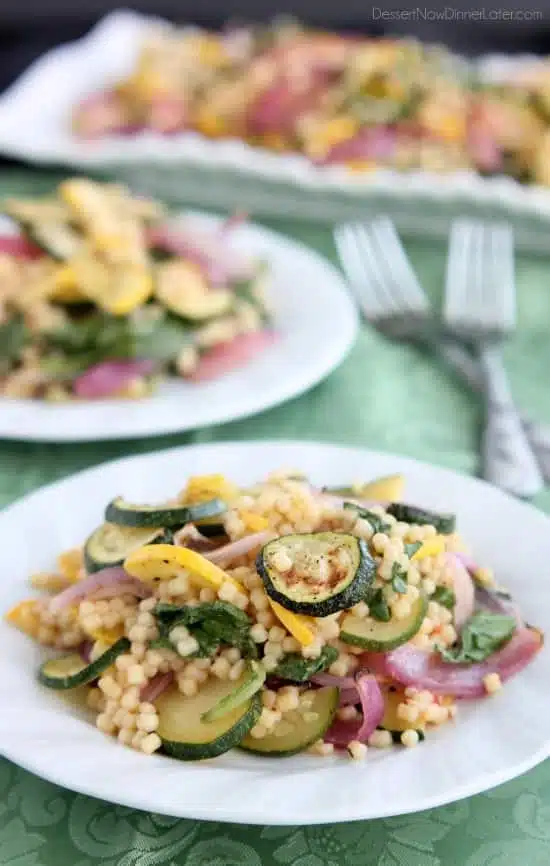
point(480, 297)
point(378, 270)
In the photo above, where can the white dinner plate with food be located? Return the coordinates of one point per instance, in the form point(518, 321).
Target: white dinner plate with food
point(452, 702)
point(304, 323)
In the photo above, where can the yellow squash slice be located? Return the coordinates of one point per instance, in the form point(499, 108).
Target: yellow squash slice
point(154, 562)
point(181, 288)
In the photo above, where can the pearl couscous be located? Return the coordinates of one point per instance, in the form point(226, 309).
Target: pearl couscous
point(278, 618)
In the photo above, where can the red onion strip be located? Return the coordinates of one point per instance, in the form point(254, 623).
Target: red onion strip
point(229, 552)
point(464, 591)
point(108, 377)
point(370, 695)
point(107, 577)
point(413, 667)
point(155, 687)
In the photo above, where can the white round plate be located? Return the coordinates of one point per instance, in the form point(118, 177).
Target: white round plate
point(493, 740)
point(316, 324)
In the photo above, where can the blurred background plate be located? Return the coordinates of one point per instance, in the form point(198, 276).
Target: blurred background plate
point(316, 324)
point(34, 126)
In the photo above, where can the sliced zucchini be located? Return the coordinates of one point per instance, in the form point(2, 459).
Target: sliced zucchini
point(327, 571)
point(184, 733)
point(70, 671)
point(240, 694)
point(444, 523)
point(378, 636)
point(127, 514)
point(110, 544)
point(183, 290)
point(293, 733)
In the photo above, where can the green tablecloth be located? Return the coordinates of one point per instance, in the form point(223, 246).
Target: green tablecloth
point(383, 397)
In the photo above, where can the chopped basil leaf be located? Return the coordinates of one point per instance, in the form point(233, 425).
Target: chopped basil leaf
point(482, 635)
point(444, 596)
point(13, 336)
point(378, 607)
point(295, 667)
point(212, 624)
point(412, 548)
point(399, 578)
point(375, 520)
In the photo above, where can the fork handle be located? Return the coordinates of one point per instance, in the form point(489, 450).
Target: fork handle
point(508, 460)
point(460, 359)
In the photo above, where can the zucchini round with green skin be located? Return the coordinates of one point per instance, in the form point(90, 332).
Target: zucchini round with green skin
point(184, 733)
point(240, 695)
point(169, 516)
point(301, 734)
point(110, 544)
point(70, 671)
point(444, 523)
point(379, 636)
point(316, 573)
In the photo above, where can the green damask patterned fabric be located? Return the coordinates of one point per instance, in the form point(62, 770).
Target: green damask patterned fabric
point(370, 402)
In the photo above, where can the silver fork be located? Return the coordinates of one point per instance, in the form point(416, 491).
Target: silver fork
point(480, 307)
point(392, 300)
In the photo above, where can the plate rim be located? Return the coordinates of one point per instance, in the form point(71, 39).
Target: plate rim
point(484, 782)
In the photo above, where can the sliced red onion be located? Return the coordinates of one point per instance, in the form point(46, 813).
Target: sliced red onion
point(372, 704)
point(167, 114)
point(85, 650)
point(155, 687)
point(207, 249)
point(467, 561)
point(278, 108)
point(347, 687)
point(189, 536)
point(109, 377)
point(123, 588)
point(226, 357)
point(102, 113)
point(490, 599)
point(229, 552)
point(371, 144)
point(413, 667)
point(20, 247)
point(464, 590)
point(107, 577)
point(325, 679)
